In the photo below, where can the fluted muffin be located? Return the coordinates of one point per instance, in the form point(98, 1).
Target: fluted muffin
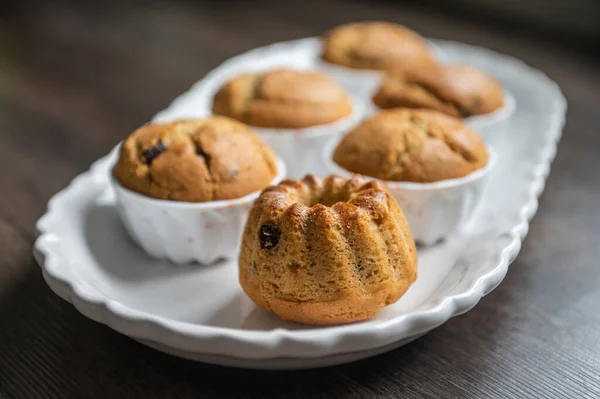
point(195, 160)
point(326, 251)
point(283, 98)
point(457, 90)
point(411, 145)
point(376, 45)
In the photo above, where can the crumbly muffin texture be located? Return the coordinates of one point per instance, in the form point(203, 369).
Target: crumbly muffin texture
point(195, 160)
point(326, 251)
point(457, 90)
point(283, 98)
point(376, 45)
point(411, 145)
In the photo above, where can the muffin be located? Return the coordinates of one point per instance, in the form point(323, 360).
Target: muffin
point(413, 146)
point(295, 112)
point(432, 164)
point(326, 251)
point(457, 90)
point(195, 160)
point(376, 45)
point(283, 98)
point(183, 189)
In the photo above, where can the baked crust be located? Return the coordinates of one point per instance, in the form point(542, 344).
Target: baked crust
point(326, 251)
point(376, 45)
point(412, 145)
point(198, 160)
point(457, 90)
point(283, 98)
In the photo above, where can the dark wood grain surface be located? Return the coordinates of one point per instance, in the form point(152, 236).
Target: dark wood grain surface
point(76, 77)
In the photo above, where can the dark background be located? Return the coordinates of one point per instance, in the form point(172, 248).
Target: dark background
point(76, 77)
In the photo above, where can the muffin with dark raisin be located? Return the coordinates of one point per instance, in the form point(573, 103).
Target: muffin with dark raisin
point(326, 251)
point(212, 159)
point(183, 189)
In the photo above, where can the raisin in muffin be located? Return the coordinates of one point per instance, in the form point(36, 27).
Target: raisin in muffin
point(376, 45)
point(216, 158)
point(412, 145)
point(325, 251)
point(456, 90)
point(283, 98)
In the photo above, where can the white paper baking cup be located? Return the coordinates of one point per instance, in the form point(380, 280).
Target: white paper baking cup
point(433, 210)
point(186, 232)
point(301, 149)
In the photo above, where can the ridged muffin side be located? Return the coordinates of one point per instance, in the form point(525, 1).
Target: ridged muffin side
point(326, 251)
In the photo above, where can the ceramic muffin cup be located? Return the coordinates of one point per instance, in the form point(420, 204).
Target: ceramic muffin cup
point(433, 210)
point(184, 232)
point(301, 148)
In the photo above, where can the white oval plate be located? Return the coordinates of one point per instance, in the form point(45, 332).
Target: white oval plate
point(199, 312)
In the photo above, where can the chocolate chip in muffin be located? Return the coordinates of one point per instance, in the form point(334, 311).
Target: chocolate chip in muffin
point(200, 152)
point(151, 153)
point(268, 236)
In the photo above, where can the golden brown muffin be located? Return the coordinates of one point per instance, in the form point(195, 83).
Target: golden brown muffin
point(411, 145)
point(216, 158)
point(456, 90)
point(326, 251)
point(283, 98)
point(376, 45)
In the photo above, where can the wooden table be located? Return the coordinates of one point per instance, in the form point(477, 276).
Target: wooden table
point(75, 79)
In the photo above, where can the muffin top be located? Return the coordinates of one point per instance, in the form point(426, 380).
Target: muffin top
point(412, 145)
point(197, 160)
point(283, 98)
point(457, 90)
point(375, 45)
